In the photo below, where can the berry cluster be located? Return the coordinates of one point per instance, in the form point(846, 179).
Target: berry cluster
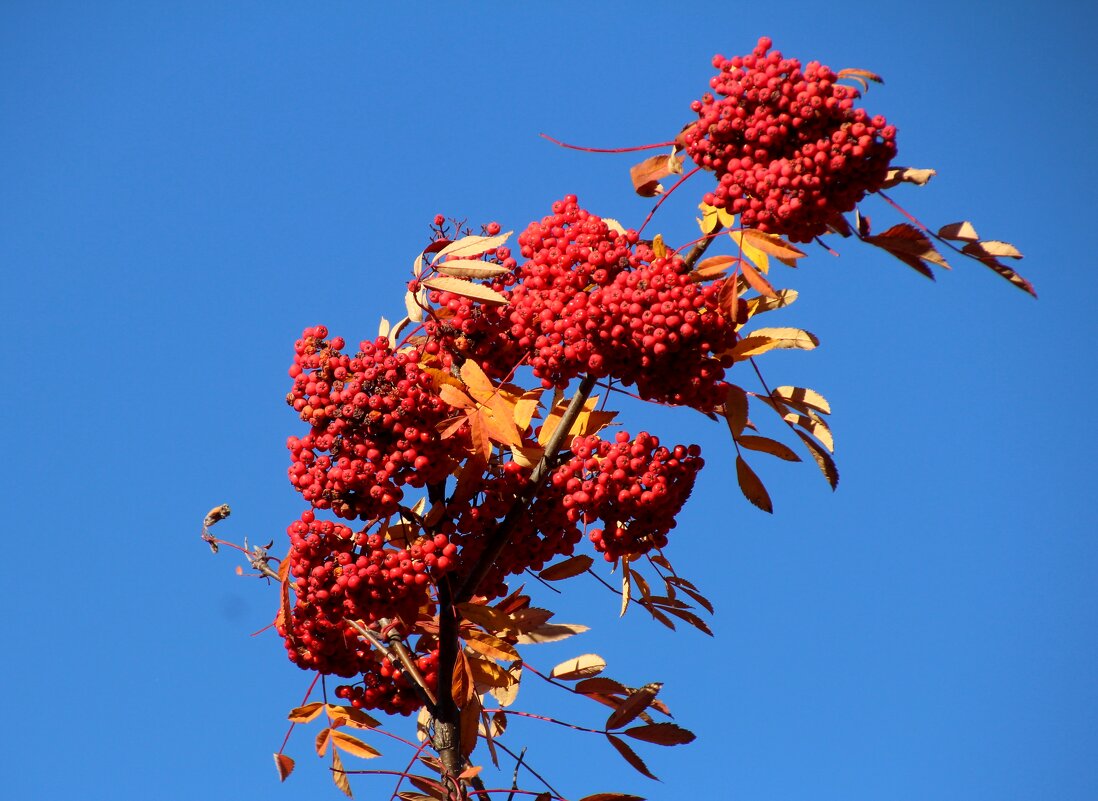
point(789, 149)
point(635, 486)
point(592, 299)
point(374, 419)
point(339, 575)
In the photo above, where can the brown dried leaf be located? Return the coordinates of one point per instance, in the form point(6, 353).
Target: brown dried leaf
point(823, 459)
point(647, 174)
point(284, 765)
point(907, 175)
point(661, 734)
point(573, 566)
point(690, 618)
point(907, 240)
point(461, 685)
point(959, 231)
point(506, 695)
point(626, 586)
point(470, 246)
point(767, 445)
point(467, 289)
point(428, 785)
point(468, 725)
point(602, 685)
point(486, 673)
point(339, 776)
point(630, 756)
point(580, 667)
point(352, 717)
point(735, 409)
point(638, 701)
point(550, 632)
point(752, 487)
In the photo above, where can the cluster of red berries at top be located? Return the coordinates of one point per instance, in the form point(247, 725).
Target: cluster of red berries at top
point(593, 299)
point(340, 575)
point(789, 149)
point(373, 417)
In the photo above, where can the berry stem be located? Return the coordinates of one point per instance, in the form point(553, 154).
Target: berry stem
point(606, 150)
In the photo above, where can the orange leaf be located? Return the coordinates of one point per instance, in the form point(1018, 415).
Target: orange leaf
point(285, 766)
point(490, 646)
point(752, 346)
point(630, 756)
point(713, 267)
point(752, 487)
point(480, 386)
point(568, 568)
point(486, 673)
point(322, 741)
point(339, 776)
point(661, 734)
point(735, 409)
point(907, 240)
point(770, 243)
point(307, 713)
point(353, 746)
point(757, 282)
point(468, 725)
point(354, 717)
point(506, 695)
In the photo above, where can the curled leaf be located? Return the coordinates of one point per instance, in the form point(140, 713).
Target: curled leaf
point(580, 667)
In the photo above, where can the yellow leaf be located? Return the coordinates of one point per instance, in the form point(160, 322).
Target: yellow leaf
point(580, 667)
point(525, 407)
point(768, 243)
point(790, 338)
point(527, 456)
point(491, 646)
point(803, 396)
point(471, 246)
point(814, 426)
point(415, 312)
point(507, 695)
point(614, 225)
point(480, 386)
point(752, 487)
point(383, 328)
point(659, 249)
point(626, 586)
point(322, 741)
point(749, 250)
point(458, 286)
point(307, 713)
point(455, 397)
point(752, 345)
point(487, 673)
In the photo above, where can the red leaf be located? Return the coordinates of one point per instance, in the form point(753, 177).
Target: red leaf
point(630, 756)
point(285, 766)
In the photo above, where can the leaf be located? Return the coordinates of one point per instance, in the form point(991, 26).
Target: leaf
point(525, 407)
point(486, 673)
point(506, 695)
point(959, 231)
point(814, 425)
point(412, 302)
point(284, 765)
point(905, 240)
point(690, 618)
point(752, 346)
point(823, 459)
point(550, 632)
point(735, 409)
point(860, 76)
point(993, 248)
point(1008, 274)
point(428, 785)
point(470, 268)
point(907, 175)
point(467, 289)
point(468, 725)
point(307, 713)
point(661, 734)
point(527, 456)
point(752, 487)
point(767, 243)
point(630, 756)
point(471, 246)
point(339, 776)
point(487, 617)
point(353, 746)
point(697, 596)
point(803, 397)
point(762, 304)
point(767, 445)
point(580, 667)
point(626, 589)
point(490, 646)
point(568, 568)
point(614, 225)
point(601, 685)
point(461, 683)
point(354, 717)
point(383, 327)
point(757, 282)
point(713, 267)
point(322, 741)
point(647, 174)
point(638, 701)
point(787, 338)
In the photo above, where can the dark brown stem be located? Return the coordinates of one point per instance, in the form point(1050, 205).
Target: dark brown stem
point(447, 716)
point(699, 249)
point(502, 534)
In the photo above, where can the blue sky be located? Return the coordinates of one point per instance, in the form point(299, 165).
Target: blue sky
point(188, 185)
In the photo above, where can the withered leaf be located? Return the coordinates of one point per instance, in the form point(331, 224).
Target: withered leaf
point(467, 289)
point(506, 695)
point(752, 487)
point(284, 765)
point(959, 231)
point(908, 175)
point(570, 567)
point(823, 459)
point(468, 725)
point(661, 734)
point(907, 240)
point(602, 685)
point(690, 618)
point(353, 717)
point(339, 776)
point(637, 702)
point(767, 445)
point(322, 741)
point(647, 174)
point(580, 667)
point(470, 268)
point(630, 756)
